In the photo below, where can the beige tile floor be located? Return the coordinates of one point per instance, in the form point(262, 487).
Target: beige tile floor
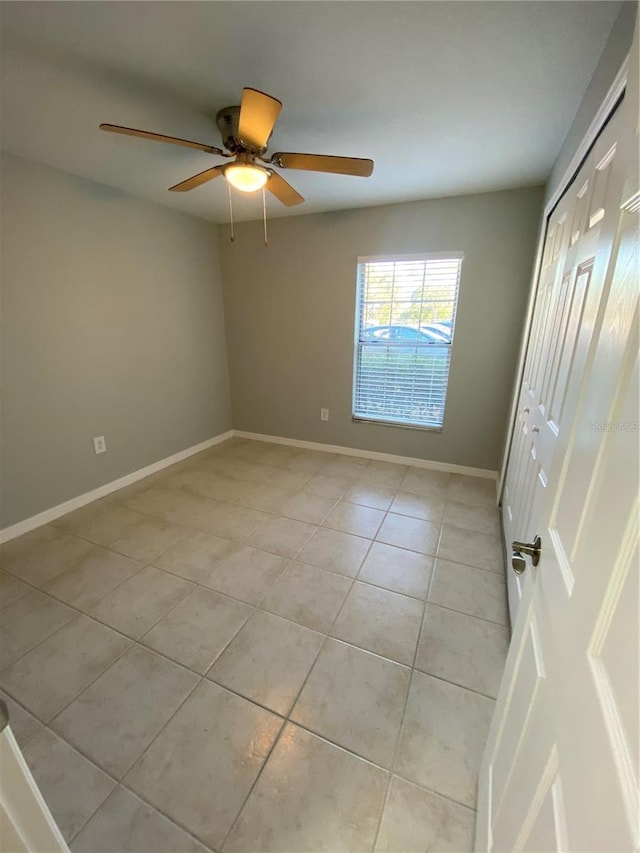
point(261, 648)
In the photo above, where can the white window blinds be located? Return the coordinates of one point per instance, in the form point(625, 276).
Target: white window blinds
point(405, 317)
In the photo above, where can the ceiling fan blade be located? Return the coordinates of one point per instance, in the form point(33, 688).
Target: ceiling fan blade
point(258, 114)
point(324, 163)
point(283, 191)
point(160, 137)
point(197, 180)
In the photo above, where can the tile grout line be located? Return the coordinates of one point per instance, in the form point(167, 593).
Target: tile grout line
point(276, 741)
point(150, 805)
point(47, 723)
point(328, 637)
point(78, 613)
point(378, 766)
point(295, 700)
point(455, 684)
point(292, 706)
point(406, 698)
point(93, 764)
point(470, 615)
point(120, 781)
point(92, 682)
point(155, 737)
point(131, 642)
point(91, 617)
point(141, 568)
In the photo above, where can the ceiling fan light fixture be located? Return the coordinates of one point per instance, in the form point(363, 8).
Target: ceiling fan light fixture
point(246, 177)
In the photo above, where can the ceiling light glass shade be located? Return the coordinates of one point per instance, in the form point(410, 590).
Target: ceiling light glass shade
point(246, 177)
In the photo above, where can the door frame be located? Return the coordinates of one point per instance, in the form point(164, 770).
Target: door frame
point(615, 92)
point(26, 823)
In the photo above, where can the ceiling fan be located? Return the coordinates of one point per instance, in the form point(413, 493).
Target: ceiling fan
point(245, 132)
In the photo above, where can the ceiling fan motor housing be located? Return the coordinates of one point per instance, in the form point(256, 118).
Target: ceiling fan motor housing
point(228, 120)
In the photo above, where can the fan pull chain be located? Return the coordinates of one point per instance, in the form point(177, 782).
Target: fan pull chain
point(264, 215)
point(231, 213)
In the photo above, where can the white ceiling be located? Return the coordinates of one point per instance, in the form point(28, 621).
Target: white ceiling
point(446, 97)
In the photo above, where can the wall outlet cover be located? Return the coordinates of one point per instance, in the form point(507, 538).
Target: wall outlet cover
point(99, 444)
point(324, 414)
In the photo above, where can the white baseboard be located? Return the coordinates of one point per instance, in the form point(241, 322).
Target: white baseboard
point(371, 454)
point(88, 497)
point(54, 512)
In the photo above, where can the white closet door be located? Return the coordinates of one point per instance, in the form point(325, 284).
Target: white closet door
point(569, 291)
point(561, 771)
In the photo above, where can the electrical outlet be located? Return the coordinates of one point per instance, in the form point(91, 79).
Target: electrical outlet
point(99, 444)
point(324, 414)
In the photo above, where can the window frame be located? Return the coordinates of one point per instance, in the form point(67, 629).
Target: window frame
point(456, 255)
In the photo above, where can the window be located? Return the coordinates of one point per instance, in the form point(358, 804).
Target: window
point(405, 316)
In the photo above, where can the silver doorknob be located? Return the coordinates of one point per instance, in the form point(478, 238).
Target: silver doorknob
point(531, 549)
point(518, 563)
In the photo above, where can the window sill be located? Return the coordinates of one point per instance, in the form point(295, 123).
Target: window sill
point(400, 424)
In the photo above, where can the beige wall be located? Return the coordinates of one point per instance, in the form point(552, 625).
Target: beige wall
point(290, 319)
point(112, 324)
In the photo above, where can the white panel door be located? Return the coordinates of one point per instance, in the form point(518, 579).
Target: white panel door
point(568, 293)
point(561, 767)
